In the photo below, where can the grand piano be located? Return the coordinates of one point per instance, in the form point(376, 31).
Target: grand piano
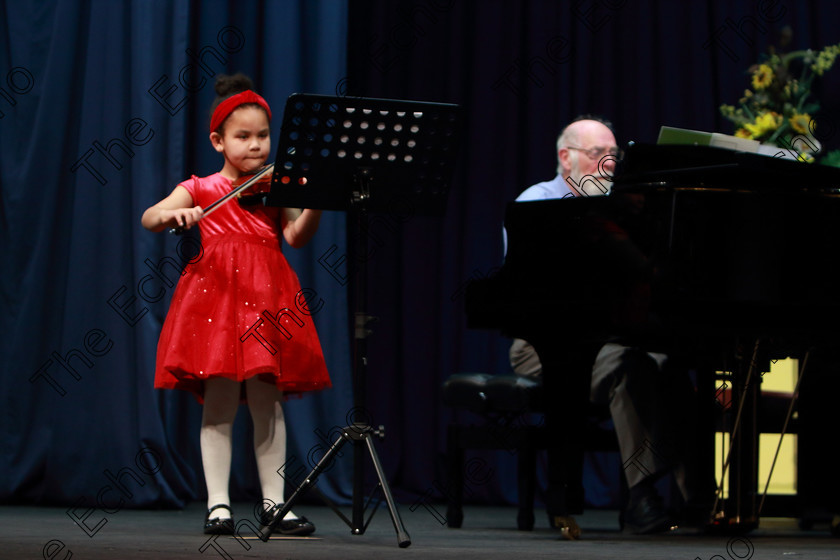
point(723, 258)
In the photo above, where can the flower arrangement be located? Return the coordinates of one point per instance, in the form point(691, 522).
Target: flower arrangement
point(779, 107)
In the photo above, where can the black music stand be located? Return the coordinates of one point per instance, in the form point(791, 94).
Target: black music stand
point(362, 155)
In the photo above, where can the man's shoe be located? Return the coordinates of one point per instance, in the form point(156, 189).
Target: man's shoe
point(566, 524)
point(647, 516)
point(217, 526)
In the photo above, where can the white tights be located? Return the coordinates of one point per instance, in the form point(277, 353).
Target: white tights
point(221, 401)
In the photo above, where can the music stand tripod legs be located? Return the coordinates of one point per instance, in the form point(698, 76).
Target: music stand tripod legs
point(356, 434)
point(362, 155)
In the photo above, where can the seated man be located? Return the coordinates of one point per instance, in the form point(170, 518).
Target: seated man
point(646, 399)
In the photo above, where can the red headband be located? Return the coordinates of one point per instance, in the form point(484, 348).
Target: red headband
point(227, 107)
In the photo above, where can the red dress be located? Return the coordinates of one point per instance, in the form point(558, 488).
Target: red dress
point(238, 310)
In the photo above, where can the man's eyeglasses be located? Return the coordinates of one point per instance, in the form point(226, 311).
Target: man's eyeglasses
point(598, 152)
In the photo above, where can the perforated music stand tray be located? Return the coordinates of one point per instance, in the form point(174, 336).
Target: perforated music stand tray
point(337, 152)
point(362, 155)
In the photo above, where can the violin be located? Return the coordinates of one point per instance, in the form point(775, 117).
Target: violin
point(259, 184)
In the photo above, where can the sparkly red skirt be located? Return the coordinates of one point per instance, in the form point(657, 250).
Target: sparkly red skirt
point(239, 311)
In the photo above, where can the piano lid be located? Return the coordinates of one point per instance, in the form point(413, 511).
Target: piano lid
point(697, 167)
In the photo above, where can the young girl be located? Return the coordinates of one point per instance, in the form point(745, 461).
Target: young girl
point(222, 336)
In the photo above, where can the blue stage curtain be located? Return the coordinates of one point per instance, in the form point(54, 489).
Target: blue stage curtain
point(104, 109)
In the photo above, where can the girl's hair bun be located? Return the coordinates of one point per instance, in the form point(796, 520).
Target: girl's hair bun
point(231, 85)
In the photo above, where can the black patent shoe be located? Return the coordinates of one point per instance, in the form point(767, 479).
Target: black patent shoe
point(217, 526)
point(298, 527)
point(647, 516)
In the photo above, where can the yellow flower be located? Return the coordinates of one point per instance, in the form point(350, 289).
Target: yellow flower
point(800, 122)
point(743, 133)
point(762, 77)
point(764, 123)
point(805, 157)
point(825, 59)
point(791, 89)
point(727, 111)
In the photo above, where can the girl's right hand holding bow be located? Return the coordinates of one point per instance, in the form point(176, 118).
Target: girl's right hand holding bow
point(183, 218)
point(174, 211)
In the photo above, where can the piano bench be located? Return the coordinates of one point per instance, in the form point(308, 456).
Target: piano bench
point(504, 402)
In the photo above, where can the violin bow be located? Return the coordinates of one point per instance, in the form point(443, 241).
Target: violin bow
point(215, 205)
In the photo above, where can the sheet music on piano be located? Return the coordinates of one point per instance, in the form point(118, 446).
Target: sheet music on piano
point(669, 135)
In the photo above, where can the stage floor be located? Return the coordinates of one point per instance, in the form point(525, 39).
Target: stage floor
point(488, 532)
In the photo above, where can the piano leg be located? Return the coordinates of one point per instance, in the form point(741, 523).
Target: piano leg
point(700, 461)
point(818, 483)
point(566, 379)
